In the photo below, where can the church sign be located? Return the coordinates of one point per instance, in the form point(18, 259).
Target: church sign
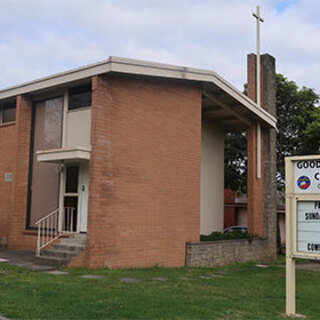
point(302, 217)
point(307, 176)
point(308, 226)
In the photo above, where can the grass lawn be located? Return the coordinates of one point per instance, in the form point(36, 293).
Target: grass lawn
point(237, 292)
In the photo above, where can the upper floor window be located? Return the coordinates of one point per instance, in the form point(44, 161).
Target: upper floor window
point(7, 112)
point(80, 97)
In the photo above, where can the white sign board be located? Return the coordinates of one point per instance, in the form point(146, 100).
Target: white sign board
point(302, 218)
point(307, 176)
point(308, 226)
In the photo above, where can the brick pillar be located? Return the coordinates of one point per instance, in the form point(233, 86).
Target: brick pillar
point(261, 192)
point(100, 238)
point(144, 194)
point(270, 164)
point(23, 133)
point(255, 186)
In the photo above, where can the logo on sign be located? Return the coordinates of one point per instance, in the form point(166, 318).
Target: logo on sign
point(303, 182)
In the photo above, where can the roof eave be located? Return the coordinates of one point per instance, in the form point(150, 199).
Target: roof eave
point(139, 67)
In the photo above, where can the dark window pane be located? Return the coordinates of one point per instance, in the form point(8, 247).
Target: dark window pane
point(80, 97)
point(72, 179)
point(8, 113)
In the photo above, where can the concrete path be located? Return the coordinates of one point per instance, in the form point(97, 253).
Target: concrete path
point(24, 259)
point(130, 280)
point(56, 272)
point(91, 276)
point(312, 266)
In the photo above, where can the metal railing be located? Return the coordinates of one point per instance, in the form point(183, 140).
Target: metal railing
point(54, 225)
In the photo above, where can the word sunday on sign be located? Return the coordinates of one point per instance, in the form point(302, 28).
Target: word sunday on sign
point(302, 218)
point(308, 226)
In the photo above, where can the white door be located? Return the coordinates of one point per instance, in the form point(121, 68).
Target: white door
point(83, 197)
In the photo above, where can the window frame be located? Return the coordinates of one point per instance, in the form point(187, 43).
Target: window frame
point(7, 105)
point(78, 90)
point(28, 225)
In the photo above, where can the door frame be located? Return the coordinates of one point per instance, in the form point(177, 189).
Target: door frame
point(83, 197)
point(82, 205)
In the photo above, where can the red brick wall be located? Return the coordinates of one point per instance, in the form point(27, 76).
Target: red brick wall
point(229, 208)
point(255, 187)
point(7, 165)
point(144, 172)
point(14, 157)
point(17, 240)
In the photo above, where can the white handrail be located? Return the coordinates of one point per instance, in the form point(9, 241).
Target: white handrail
point(53, 226)
point(50, 214)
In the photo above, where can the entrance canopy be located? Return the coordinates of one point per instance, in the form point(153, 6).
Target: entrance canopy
point(64, 155)
point(231, 115)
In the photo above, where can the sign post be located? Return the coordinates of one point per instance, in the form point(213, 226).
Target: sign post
point(302, 218)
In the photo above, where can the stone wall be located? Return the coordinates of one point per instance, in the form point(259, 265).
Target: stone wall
point(224, 252)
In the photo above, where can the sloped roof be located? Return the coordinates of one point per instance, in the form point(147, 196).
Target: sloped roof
point(234, 101)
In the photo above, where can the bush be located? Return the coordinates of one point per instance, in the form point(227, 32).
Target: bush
point(233, 235)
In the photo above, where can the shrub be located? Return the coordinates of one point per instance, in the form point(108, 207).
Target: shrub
point(233, 235)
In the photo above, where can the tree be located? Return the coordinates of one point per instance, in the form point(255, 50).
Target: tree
point(298, 133)
point(235, 164)
point(298, 124)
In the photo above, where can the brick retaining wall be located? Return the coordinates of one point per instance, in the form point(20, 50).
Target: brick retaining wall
point(220, 253)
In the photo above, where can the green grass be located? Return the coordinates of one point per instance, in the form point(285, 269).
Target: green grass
point(236, 292)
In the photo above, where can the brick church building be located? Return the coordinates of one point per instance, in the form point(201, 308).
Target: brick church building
point(121, 163)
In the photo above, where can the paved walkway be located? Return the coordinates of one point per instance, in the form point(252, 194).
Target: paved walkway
point(24, 259)
point(312, 266)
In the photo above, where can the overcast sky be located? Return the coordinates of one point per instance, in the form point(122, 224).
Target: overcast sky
point(42, 37)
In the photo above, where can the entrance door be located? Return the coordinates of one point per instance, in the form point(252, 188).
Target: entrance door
point(76, 195)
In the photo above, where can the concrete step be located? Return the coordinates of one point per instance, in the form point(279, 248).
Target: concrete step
point(78, 237)
point(51, 261)
point(73, 247)
point(60, 253)
point(73, 241)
